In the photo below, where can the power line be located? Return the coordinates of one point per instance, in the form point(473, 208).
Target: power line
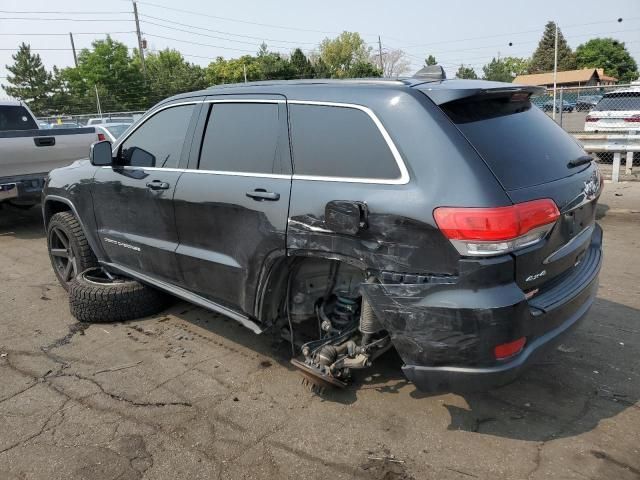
point(19, 12)
point(216, 31)
point(521, 32)
point(201, 14)
point(65, 34)
point(502, 45)
point(55, 19)
point(200, 44)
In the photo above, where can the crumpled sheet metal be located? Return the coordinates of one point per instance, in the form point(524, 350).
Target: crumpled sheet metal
point(389, 242)
point(450, 322)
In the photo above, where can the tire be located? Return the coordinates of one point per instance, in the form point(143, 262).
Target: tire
point(95, 298)
point(68, 248)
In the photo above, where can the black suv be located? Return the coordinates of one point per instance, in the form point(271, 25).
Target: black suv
point(446, 218)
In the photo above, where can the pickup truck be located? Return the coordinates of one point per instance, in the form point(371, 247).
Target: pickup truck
point(28, 153)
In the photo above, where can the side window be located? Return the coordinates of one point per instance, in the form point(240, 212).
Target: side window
point(343, 142)
point(15, 118)
point(245, 137)
point(158, 142)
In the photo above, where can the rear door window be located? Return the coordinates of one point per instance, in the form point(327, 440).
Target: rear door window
point(329, 141)
point(521, 144)
point(245, 138)
point(15, 117)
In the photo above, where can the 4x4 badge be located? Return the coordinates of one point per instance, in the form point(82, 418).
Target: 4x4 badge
point(535, 276)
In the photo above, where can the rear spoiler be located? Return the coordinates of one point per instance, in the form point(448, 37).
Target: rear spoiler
point(448, 91)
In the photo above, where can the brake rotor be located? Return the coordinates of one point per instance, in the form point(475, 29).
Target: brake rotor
point(315, 378)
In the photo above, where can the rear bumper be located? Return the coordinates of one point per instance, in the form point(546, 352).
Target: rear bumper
point(23, 188)
point(8, 191)
point(468, 379)
point(446, 332)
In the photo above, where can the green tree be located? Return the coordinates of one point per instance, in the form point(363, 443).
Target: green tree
point(169, 74)
point(345, 55)
point(543, 58)
point(273, 66)
point(300, 65)
point(320, 69)
point(232, 71)
point(497, 71)
point(110, 69)
point(609, 54)
point(466, 72)
point(29, 80)
point(430, 60)
point(517, 65)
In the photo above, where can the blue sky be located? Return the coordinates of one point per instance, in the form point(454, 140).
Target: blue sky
point(455, 31)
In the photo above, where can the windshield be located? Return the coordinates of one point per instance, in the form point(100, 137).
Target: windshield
point(619, 101)
point(522, 145)
point(15, 117)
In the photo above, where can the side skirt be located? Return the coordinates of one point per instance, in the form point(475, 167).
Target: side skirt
point(188, 296)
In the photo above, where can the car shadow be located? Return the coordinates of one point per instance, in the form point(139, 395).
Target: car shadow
point(589, 378)
point(21, 223)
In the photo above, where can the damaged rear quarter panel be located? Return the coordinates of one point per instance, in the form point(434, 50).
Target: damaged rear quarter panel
point(401, 234)
point(452, 320)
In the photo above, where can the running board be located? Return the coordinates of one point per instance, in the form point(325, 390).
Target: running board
point(188, 296)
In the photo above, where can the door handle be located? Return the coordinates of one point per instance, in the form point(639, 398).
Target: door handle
point(44, 141)
point(260, 194)
point(158, 185)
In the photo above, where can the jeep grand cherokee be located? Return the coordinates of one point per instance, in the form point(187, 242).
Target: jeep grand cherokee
point(449, 219)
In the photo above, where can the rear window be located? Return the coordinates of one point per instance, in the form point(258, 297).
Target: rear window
point(332, 141)
point(619, 101)
point(15, 117)
point(521, 144)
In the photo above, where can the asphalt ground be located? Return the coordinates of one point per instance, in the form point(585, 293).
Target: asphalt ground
point(188, 394)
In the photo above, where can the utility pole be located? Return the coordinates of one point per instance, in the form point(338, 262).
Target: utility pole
point(135, 14)
point(244, 67)
point(555, 72)
point(380, 54)
point(73, 47)
point(98, 100)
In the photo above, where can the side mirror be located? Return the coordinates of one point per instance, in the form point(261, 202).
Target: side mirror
point(343, 216)
point(100, 155)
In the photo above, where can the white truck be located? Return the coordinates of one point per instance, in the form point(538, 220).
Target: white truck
point(28, 153)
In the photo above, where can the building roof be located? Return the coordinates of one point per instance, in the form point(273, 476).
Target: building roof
point(568, 76)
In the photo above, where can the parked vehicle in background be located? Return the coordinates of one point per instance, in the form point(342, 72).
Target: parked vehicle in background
point(585, 103)
point(111, 131)
point(617, 111)
point(566, 106)
point(28, 153)
point(101, 121)
point(319, 210)
point(64, 125)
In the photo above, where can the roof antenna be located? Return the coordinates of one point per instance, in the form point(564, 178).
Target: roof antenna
point(431, 72)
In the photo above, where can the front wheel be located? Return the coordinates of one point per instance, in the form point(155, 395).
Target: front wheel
point(69, 250)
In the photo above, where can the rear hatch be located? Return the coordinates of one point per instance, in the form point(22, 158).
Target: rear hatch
point(532, 158)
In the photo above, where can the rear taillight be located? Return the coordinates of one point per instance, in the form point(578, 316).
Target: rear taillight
point(101, 137)
point(633, 119)
point(510, 349)
point(494, 231)
point(591, 119)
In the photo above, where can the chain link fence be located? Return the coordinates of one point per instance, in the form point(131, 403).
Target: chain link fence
point(85, 119)
point(602, 112)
